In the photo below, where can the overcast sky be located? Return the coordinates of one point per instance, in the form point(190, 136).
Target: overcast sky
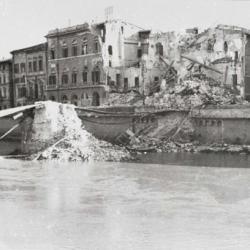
point(25, 22)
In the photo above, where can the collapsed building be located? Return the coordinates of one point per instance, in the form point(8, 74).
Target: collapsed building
point(217, 56)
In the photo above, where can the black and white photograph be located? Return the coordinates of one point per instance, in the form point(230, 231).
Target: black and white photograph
point(125, 125)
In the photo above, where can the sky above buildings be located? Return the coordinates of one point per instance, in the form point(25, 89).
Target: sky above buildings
point(24, 23)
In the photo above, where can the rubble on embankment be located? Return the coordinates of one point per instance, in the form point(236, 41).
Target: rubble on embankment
point(56, 133)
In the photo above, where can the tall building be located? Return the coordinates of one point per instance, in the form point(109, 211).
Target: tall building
point(80, 58)
point(29, 74)
point(6, 84)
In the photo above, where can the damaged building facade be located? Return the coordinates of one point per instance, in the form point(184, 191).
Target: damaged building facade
point(29, 74)
point(221, 54)
point(6, 84)
point(82, 64)
point(80, 59)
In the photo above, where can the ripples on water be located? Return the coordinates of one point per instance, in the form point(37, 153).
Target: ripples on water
point(123, 206)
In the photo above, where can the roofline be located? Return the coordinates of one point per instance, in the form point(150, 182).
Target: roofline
point(68, 30)
point(31, 48)
point(9, 60)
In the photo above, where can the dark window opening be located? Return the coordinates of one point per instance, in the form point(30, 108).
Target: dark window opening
point(122, 29)
point(236, 57)
point(65, 79)
point(136, 82)
point(110, 63)
point(110, 50)
point(74, 77)
point(95, 76)
point(34, 66)
point(52, 54)
point(156, 79)
point(225, 47)
point(96, 47)
point(65, 52)
point(74, 50)
point(40, 64)
point(159, 49)
point(118, 80)
point(126, 84)
point(30, 66)
point(16, 68)
point(139, 53)
point(52, 80)
point(85, 76)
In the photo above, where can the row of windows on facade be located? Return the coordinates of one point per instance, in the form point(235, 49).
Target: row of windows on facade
point(34, 93)
point(74, 50)
point(3, 67)
point(74, 78)
point(34, 66)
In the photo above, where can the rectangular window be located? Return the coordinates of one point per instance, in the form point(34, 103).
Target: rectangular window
point(30, 66)
point(52, 80)
point(125, 84)
point(34, 66)
point(16, 68)
point(74, 78)
point(137, 82)
point(84, 49)
point(118, 80)
point(95, 76)
point(52, 54)
point(85, 76)
point(65, 52)
point(96, 47)
point(74, 50)
point(40, 64)
point(23, 67)
point(4, 92)
point(65, 79)
point(139, 53)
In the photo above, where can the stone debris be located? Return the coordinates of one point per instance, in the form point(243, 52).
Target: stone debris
point(193, 93)
point(130, 98)
point(75, 143)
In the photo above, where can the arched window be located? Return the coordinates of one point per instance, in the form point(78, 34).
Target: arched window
point(74, 76)
point(64, 99)
point(110, 50)
point(74, 100)
point(52, 98)
point(65, 77)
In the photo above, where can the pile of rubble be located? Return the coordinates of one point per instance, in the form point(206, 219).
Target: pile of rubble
point(129, 98)
point(74, 142)
point(82, 146)
point(193, 93)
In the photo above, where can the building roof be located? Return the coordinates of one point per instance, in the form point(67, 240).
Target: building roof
point(68, 30)
point(34, 48)
point(9, 60)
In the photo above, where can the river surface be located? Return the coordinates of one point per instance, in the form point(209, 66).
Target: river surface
point(106, 206)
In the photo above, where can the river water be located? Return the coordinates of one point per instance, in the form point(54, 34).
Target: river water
point(106, 206)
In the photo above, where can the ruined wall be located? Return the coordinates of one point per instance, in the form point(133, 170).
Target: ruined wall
point(222, 49)
point(48, 126)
